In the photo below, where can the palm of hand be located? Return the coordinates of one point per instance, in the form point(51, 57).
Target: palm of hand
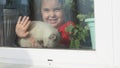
point(21, 31)
point(22, 26)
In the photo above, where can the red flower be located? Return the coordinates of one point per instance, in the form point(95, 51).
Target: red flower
point(65, 35)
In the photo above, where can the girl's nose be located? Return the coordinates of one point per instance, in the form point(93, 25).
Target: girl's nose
point(52, 13)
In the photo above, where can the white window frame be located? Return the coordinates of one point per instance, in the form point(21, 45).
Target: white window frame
point(102, 57)
point(116, 32)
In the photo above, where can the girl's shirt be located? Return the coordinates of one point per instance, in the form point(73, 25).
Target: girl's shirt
point(65, 39)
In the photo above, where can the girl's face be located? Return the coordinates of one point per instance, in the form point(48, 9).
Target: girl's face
point(52, 12)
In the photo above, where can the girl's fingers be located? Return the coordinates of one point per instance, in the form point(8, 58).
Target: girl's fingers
point(19, 20)
point(26, 21)
point(32, 41)
point(23, 20)
point(27, 25)
point(22, 26)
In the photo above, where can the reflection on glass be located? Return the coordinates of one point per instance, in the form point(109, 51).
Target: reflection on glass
point(69, 17)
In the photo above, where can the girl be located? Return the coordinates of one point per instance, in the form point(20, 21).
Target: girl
point(52, 13)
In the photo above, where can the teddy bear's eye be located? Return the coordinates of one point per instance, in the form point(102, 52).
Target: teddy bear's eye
point(52, 37)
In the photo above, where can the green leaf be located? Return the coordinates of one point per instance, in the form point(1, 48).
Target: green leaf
point(69, 28)
point(72, 43)
point(77, 43)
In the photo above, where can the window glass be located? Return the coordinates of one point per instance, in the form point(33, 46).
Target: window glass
point(70, 24)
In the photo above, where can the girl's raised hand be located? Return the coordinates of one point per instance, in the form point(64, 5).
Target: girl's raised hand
point(22, 26)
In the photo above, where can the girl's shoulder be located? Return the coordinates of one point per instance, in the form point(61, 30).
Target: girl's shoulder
point(66, 24)
point(69, 23)
point(65, 34)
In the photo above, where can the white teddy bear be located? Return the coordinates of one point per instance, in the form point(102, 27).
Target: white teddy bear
point(44, 35)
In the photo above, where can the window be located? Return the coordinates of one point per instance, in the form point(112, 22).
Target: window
point(102, 57)
point(9, 12)
point(79, 13)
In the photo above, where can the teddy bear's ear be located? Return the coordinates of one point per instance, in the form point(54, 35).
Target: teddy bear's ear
point(52, 37)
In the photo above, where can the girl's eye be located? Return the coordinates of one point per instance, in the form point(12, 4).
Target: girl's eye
point(45, 10)
point(57, 9)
